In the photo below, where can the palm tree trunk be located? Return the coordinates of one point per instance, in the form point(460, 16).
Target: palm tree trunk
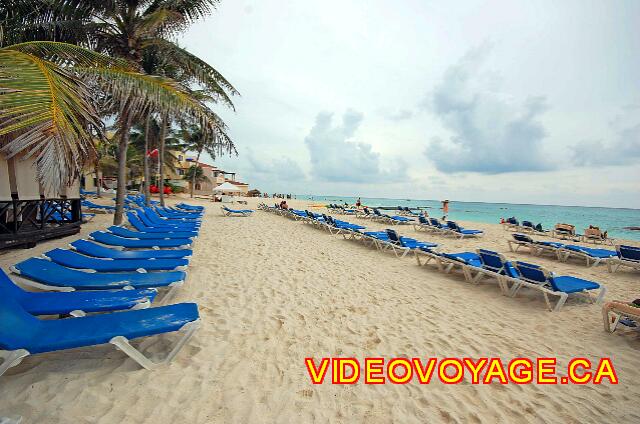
point(147, 174)
point(125, 126)
point(96, 169)
point(163, 129)
point(195, 171)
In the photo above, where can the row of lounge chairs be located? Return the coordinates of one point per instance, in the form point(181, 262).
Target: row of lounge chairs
point(450, 228)
point(560, 231)
point(623, 256)
point(376, 215)
point(117, 273)
point(476, 266)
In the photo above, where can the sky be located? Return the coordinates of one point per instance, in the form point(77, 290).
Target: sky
point(494, 101)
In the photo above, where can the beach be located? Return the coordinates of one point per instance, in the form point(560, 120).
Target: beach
point(272, 291)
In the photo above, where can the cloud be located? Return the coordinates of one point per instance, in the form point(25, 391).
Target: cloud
point(335, 158)
point(282, 168)
point(401, 115)
point(625, 150)
point(491, 133)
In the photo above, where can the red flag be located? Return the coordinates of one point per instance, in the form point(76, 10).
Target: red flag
point(153, 153)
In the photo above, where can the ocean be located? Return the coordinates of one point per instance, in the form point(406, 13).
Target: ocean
point(612, 220)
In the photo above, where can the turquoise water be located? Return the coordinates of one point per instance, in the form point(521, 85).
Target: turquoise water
point(609, 219)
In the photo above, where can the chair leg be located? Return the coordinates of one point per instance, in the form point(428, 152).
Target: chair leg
point(561, 301)
point(122, 343)
point(600, 297)
point(11, 358)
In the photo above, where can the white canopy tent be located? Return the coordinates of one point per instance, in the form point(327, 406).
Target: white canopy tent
point(226, 188)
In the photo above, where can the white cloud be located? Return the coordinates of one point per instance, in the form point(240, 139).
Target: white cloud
point(335, 157)
point(491, 133)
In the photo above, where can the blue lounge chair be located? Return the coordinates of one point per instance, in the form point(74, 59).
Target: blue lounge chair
point(396, 219)
point(75, 303)
point(235, 212)
point(72, 259)
point(47, 275)
point(460, 232)
point(589, 254)
point(538, 277)
point(150, 218)
point(406, 244)
point(144, 235)
point(495, 265)
point(178, 216)
point(188, 207)
point(438, 226)
point(446, 262)
point(336, 226)
point(113, 240)
point(96, 207)
point(628, 256)
point(154, 215)
point(29, 335)
point(537, 248)
point(137, 223)
point(423, 224)
point(90, 248)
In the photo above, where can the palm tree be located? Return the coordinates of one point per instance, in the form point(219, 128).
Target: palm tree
point(196, 140)
point(48, 89)
point(195, 174)
point(138, 31)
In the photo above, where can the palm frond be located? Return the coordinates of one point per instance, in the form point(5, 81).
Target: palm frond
point(147, 92)
point(63, 54)
point(196, 69)
point(46, 113)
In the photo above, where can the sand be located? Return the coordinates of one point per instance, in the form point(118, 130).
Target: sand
point(273, 291)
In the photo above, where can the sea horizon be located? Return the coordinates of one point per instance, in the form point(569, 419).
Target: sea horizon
point(613, 220)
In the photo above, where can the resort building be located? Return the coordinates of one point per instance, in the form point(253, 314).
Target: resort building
point(174, 174)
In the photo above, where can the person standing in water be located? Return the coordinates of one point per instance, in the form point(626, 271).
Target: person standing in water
point(445, 209)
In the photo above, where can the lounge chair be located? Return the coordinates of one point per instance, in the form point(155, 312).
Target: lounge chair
point(460, 232)
point(153, 219)
point(96, 207)
point(235, 212)
point(537, 248)
point(446, 262)
point(493, 264)
point(46, 275)
point(404, 245)
point(89, 248)
point(113, 240)
point(564, 231)
point(589, 254)
point(336, 226)
point(188, 207)
point(617, 312)
point(177, 215)
point(139, 225)
point(595, 235)
point(145, 235)
point(75, 303)
point(423, 224)
point(72, 259)
point(538, 277)
point(628, 256)
point(29, 335)
point(439, 227)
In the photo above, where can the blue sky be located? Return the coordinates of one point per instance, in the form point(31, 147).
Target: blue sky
point(506, 101)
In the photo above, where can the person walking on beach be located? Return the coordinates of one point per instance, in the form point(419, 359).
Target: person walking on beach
point(358, 203)
point(445, 209)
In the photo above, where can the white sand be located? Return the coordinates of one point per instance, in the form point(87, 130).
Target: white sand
point(273, 291)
